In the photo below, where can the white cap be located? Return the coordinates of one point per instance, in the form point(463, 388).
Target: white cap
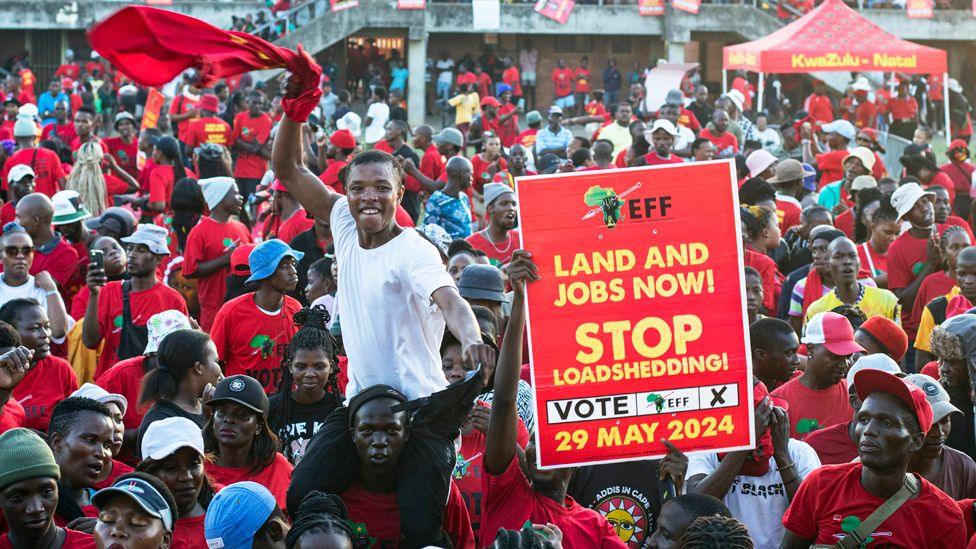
point(954, 85)
point(18, 172)
point(736, 97)
point(879, 361)
point(94, 392)
point(555, 109)
point(164, 437)
point(936, 394)
point(905, 197)
point(864, 154)
point(862, 182)
point(350, 121)
point(861, 84)
point(759, 161)
point(841, 127)
point(662, 124)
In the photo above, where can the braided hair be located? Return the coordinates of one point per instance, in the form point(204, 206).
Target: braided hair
point(326, 514)
point(716, 532)
point(313, 333)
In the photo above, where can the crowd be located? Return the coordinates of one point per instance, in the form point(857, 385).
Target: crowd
point(271, 322)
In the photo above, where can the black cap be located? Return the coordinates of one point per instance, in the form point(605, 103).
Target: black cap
point(372, 393)
point(243, 390)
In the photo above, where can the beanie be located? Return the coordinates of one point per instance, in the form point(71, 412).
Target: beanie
point(24, 455)
point(25, 127)
point(888, 334)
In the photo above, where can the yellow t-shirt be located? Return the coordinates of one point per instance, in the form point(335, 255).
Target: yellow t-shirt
point(874, 302)
point(923, 339)
point(465, 105)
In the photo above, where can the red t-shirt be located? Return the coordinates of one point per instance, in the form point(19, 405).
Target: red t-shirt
point(61, 263)
point(380, 513)
point(508, 130)
point(275, 477)
point(772, 280)
point(142, 305)
point(596, 108)
point(943, 180)
point(468, 471)
point(498, 254)
point(902, 108)
point(74, 540)
point(934, 286)
point(64, 132)
point(207, 241)
point(188, 533)
point(510, 76)
point(831, 498)
point(479, 171)
point(831, 169)
point(118, 469)
point(46, 384)
point(689, 120)
point(508, 500)
point(906, 256)
point(125, 378)
point(46, 165)
point(810, 409)
point(432, 163)
point(961, 175)
point(161, 181)
point(298, 223)
point(331, 175)
point(833, 444)
point(76, 144)
point(68, 70)
point(845, 222)
point(788, 213)
point(8, 213)
point(819, 108)
point(251, 341)
point(562, 80)
point(582, 77)
point(251, 130)
point(653, 159)
point(484, 84)
point(527, 138)
point(866, 115)
point(180, 105)
point(208, 130)
point(466, 78)
point(723, 143)
point(125, 153)
point(875, 262)
point(12, 415)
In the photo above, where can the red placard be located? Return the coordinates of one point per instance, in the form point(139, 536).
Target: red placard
point(690, 6)
point(557, 10)
point(919, 9)
point(650, 7)
point(411, 4)
point(150, 113)
point(637, 327)
point(339, 5)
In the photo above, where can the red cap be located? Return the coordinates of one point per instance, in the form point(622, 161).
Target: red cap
point(958, 144)
point(238, 259)
point(870, 381)
point(888, 334)
point(871, 133)
point(834, 332)
point(490, 102)
point(209, 102)
point(344, 139)
point(67, 84)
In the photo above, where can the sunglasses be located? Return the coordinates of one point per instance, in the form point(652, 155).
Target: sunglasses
point(14, 251)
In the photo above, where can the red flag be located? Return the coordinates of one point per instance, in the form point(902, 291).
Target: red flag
point(650, 7)
point(557, 10)
point(150, 113)
point(919, 9)
point(152, 46)
point(690, 6)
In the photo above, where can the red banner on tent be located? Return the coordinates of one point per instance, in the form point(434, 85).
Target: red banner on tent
point(690, 6)
point(637, 327)
point(411, 4)
point(339, 5)
point(650, 7)
point(150, 113)
point(557, 10)
point(919, 9)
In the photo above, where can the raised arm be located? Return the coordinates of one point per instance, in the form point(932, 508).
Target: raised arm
point(289, 167)
point(502, 437)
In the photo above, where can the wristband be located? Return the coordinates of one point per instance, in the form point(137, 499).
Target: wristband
point(789, 465)
point(50, 293)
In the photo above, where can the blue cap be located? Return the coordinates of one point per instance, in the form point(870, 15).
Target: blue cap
point(266, 256)
point(237, 513)
point(810, 181)
point(502, 88)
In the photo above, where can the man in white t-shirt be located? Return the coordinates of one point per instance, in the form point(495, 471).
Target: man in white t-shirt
point(396, 299)
point(377, 115)
point(445, 76)
point(757, 485)
point(17, 255)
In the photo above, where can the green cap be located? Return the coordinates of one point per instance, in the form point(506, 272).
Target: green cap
point(24, 455)
point(533, 117)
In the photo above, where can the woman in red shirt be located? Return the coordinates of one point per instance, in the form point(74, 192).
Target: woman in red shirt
point(240, 441)
point(169, 169)
point(172, 451)
point(904, 112)
point(884, 229)
point(761, 229)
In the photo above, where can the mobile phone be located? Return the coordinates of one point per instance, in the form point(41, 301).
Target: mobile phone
point(96, 258)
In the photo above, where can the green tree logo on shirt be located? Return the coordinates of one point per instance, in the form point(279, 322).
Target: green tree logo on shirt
point(228, 242)
point(361, 534)
point(849, 524)
point(117, 322)
point(263, 343)
point(807, 425)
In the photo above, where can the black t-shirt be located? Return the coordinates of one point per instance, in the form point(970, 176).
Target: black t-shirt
point(962, 436)
point(627, 494)
point(303, 421)
point(162, 410)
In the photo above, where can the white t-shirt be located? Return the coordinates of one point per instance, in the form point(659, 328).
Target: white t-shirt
point(28, 289)
point(391, 328)
point(379, 115)
point(446, 68)
point(759, 502)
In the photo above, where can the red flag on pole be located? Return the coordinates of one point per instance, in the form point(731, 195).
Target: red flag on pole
point(150, 113)
point(152, 46)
